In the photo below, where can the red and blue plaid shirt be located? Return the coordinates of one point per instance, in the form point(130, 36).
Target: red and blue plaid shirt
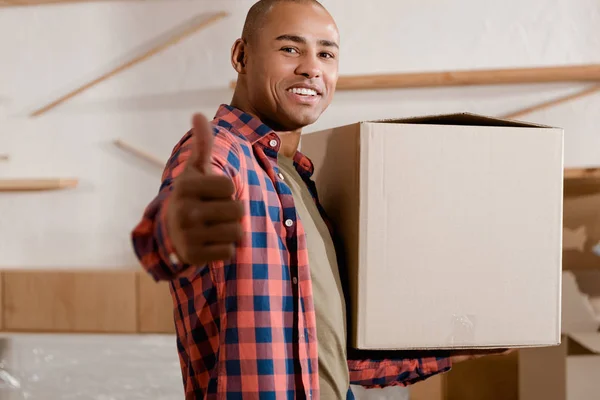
point(246, 327)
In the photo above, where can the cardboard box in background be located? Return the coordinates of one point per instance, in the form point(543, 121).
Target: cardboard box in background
point(571, 371)
point(452, 227)
point(581, 224)
point(489, 378)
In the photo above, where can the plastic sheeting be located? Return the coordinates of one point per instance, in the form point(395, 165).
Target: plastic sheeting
point(89, 367)
point(103, 367)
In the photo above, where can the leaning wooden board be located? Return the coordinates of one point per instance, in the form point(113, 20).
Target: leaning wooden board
point(84, 301)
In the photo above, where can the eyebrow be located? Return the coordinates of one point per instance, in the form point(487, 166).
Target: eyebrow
point(300, 39)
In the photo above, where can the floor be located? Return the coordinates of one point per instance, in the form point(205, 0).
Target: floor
point(101, 367)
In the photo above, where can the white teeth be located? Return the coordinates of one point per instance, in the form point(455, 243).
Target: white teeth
point(303, 91)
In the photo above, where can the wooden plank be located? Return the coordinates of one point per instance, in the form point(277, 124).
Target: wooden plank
point(575, 73)
point(152, 159)
point(196, 25)
point(37, 184)
point(20, 3)
point(554, 102)
point(102, 301)
point(155, 305)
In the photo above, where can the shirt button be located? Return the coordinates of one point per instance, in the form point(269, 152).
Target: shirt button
point(173, 259)
point(289, 222)
point(295, 280)
point(281, 176)
point(273, 143)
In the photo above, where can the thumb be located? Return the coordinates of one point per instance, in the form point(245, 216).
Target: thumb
point(202, 135)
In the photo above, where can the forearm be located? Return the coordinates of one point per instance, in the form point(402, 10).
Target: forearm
point(151, 241)
point(395, 372)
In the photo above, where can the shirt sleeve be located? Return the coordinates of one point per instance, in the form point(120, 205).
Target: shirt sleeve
point(395, 372)
point(150, 238)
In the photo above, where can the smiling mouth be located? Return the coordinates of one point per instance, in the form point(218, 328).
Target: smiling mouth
point(304, 92)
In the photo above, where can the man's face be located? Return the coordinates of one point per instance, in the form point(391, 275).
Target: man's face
point(292, 65)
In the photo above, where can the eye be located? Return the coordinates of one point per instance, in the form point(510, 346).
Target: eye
point(326, 55)
point(290, 50)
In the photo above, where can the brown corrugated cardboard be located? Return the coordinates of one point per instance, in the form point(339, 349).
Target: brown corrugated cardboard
point(452, 228)
point(487, 378)
point(581, 224)
point(571, 371)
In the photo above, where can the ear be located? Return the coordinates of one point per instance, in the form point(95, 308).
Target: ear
point(239, 56)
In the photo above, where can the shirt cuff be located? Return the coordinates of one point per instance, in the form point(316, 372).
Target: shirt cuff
point(170, 264)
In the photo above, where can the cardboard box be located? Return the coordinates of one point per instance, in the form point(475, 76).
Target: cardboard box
point(581, 224)
point(452, 229)
point(572, 370)
point(487, 378)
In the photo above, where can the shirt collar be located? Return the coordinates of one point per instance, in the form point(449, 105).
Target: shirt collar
point(247, 125)
point(255, 131)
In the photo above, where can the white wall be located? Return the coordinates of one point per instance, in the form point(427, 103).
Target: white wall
point(46, 51)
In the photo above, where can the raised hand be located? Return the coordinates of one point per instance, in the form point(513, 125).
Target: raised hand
point(203, 219)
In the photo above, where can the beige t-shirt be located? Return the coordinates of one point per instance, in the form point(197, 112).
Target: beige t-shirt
point(330, 307)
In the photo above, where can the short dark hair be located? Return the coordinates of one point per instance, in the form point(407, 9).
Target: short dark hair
point(257, 13)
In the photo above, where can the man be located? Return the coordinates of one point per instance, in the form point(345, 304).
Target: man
point(237, 230)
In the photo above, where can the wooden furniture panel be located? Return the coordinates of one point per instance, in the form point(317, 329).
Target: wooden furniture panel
point(70, 301)
point(155, 305)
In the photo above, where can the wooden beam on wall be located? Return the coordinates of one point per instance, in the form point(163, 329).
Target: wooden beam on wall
point(152, 159)
point(37, 184)
point(194, 26)
point(22, 3)
point(575, 73)
point(554, 102)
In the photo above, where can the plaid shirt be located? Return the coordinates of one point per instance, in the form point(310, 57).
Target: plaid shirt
point(246, 327)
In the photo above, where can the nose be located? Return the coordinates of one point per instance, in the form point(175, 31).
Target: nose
point(309, 67)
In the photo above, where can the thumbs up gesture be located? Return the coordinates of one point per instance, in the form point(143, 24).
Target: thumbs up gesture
point(203, 219)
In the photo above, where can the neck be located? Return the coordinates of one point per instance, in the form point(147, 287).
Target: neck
point(290, 140)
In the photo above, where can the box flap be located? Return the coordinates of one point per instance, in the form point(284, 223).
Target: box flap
point(578, 315)
point(464, 118)
point(589, 340)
